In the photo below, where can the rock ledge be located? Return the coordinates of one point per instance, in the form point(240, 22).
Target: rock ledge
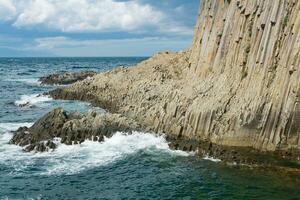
point(66, 78)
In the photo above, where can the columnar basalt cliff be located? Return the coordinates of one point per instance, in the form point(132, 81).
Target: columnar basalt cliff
point(248, 53)
point(238, 85)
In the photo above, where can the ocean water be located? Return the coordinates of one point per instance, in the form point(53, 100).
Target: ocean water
point(136, 166)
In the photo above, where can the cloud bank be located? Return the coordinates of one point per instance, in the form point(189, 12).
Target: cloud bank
point(64, 46)
point(73, 16)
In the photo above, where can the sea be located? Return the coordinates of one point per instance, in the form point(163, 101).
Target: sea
point(125, 166)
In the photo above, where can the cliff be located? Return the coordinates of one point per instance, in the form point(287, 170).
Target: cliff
point(238, 85)
point(248, 53)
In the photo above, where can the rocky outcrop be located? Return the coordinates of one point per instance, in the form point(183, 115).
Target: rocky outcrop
point(238, 85)
point(73, 128)
point(66, 78)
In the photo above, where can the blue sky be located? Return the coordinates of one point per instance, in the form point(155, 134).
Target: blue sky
point(95, 27)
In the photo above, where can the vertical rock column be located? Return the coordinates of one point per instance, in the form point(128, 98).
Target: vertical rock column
point(250, 50)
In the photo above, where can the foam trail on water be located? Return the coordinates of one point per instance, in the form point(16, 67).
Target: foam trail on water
point(75, 158)
point(30, 100)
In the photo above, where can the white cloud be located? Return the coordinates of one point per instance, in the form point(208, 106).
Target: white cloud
point(7, 10)
point(64, 46)
point(88, 16)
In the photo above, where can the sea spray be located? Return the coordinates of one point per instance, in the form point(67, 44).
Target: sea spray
point(31, 100)
point(5, 127)
point(72, 159)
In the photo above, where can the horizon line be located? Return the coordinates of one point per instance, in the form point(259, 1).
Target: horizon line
point(75, 56)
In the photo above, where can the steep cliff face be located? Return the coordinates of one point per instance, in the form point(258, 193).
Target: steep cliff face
point(238, 85)
point(248, 52)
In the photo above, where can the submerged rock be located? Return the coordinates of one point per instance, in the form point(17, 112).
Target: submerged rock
point(66, 78)
point(73, 128)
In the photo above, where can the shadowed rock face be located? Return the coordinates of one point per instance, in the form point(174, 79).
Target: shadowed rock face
point(66, 78)
point(71, 128)
point(238, 85)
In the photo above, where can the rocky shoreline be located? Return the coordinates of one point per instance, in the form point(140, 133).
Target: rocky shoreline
point(233, 95)
point(59, 126)
point(70, 129)
point(86, 91)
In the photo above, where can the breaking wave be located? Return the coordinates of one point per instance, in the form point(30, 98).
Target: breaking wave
point(72, 159)
point(31, 100)
point(5, 127)
point(29, 81)
point(212, 159)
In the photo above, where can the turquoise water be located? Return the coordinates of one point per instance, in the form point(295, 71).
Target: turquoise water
point(137, 166)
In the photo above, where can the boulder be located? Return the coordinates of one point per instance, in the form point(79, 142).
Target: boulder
point(70, 128)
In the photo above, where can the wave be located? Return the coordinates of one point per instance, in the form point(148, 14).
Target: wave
point(29, 81)
point(4, 127)
point(212, 159)
point(30, 100)
point(72, 159)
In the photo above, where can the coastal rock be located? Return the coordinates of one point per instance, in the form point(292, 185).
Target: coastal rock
point(66, 78)
point(238, 85)
point(73, 128)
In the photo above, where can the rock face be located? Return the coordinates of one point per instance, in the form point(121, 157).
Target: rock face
point(72, 128)
point(238, 85)
point(66, 78)
point(248, 52)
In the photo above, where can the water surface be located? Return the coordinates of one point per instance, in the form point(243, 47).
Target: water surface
point(138, 166)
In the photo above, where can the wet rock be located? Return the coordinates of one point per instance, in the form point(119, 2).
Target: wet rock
point(66, 78)
point(73, 128)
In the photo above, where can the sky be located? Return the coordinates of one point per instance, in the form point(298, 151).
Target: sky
point(95, 27)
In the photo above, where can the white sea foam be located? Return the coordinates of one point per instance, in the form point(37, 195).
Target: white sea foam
point(30, 100)
point(73, 159)
point(29, 81)
point(5, 127)
point(212, 159)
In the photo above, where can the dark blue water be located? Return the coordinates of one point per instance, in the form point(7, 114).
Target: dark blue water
point(138, 166)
